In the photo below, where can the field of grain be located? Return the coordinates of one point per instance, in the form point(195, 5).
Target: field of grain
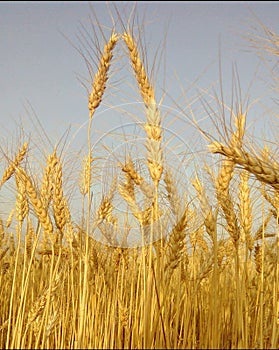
point(203, 272)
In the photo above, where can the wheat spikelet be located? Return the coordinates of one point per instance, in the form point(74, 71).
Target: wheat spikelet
point(225, 200)
point(47, 181)
point(36, 201)
point(101, 77)
point(237, 137)
point(22, 207)
point(176, 242)
point(11, 244)
point(258, 257)
point(105, 211)
point(153, 144)
point(3, 253)
point(129, 187)
point(245, 209)
point(85, 176)
point(231, 218)
point(35, 314)
point(129, 169)
point(146, 89)
point(11, 168)
point(210, 218)
point(172, 193)
point(142, 216)
point(224, 177)
point(37, 309)
point(223, 195)
point(197, 240)
point(153, 119)
point(2, 232)
point(52, 321)
point(210, 223)
point(221, 252)
point(264, 171)
point(59, 202)
point(128, 195)
point(10, 218)
point(226, 172)
point(30, 235)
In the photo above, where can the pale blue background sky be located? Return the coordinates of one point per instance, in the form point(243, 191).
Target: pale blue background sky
point(37, 63)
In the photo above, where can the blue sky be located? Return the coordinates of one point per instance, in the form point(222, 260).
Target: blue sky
point(39, 67)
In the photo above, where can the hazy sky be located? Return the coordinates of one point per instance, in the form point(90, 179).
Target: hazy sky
point(39, 67)
point(37, 64)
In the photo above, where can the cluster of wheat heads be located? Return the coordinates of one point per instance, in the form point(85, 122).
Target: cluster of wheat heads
point(204, 276)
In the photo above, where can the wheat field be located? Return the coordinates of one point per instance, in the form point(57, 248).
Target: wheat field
point(204, 271)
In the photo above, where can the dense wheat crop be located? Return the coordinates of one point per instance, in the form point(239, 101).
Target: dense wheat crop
point(203, 272)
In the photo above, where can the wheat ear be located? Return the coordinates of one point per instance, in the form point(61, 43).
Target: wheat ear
point(11, 168)
point(153, 119)
point(129, 169)
point(101, 77)
point(85, 175)
point(47, 181)
point(59, 201)
point(22, 206)
point(263, 170)
point(35, 201)
point(245, 209)
point(176, 242)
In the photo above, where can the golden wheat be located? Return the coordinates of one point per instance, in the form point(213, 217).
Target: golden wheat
point(36, 202)
point(12, 167)
point(101, 77)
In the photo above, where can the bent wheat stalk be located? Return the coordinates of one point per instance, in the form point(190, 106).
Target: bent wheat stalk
point(263, 170)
